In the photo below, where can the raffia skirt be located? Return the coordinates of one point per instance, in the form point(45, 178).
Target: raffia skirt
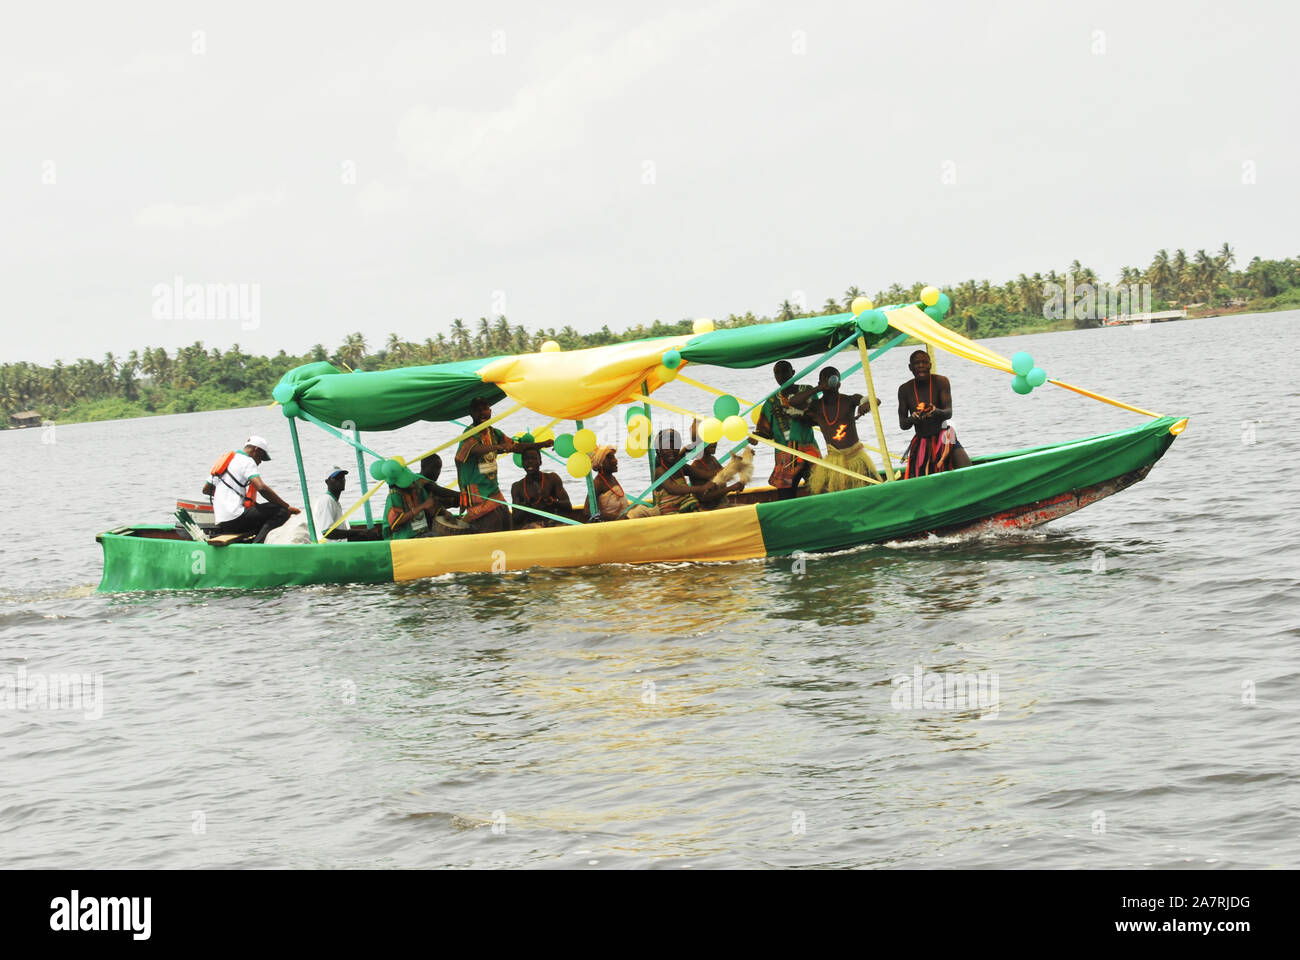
point(823, 480)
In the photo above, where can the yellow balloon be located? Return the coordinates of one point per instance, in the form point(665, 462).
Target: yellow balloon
point(711, 430)
point(550, 346)
point(930, 296)
point(702, 325)
point(665, 374)
point(734, 429)
point(859, 304)
point(544, 434)
point(579, 465)
point(638, 430)
point(584, 441)
point(634, 451)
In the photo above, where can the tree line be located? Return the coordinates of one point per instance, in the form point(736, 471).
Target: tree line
point(194, 378)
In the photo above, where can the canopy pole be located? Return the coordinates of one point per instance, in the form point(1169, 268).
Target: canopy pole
point(592, 507)
point(361, 469)
point(649, 440)
point(875, 407)
point(302, 478)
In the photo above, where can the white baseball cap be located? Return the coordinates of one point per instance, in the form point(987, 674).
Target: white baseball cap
point(260, 443)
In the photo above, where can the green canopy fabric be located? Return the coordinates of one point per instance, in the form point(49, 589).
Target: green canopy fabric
point(389, 399)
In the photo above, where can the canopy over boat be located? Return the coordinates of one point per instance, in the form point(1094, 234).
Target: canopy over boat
point(572, 385)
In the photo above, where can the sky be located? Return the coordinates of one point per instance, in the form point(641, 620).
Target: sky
point(386, 167)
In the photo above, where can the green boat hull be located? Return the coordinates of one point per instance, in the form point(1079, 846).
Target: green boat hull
point(1019, 488)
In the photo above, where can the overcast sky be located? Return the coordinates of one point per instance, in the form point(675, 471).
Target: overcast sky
point(387, 167)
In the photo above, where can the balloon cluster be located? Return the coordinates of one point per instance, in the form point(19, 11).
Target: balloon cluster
point(725, 422)
point(576, 449)
point(935, 304)
point(1027, 376)
point(870, 320)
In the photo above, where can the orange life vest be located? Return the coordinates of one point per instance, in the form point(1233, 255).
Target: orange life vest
point(219, 470)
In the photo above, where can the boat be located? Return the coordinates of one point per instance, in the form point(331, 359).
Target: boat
point(1016, 489)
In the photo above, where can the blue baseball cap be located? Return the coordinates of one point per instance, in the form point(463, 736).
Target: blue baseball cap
point(335, 472)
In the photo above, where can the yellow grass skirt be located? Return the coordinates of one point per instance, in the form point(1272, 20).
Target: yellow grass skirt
point(823, 480)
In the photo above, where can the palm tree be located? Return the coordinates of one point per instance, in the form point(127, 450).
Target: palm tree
point(831, 306)
point(1226, 256)
point(785, 311)
point(460, 338)
point(851, 294)
point(353, 350)
point(1161, 275)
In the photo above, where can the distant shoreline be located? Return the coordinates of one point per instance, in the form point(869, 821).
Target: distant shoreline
point(98, 411)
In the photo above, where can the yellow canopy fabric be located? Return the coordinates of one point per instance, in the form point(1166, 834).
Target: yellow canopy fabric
point(912, 321)
point(579, 384)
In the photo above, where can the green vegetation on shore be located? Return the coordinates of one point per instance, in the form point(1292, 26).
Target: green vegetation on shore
point(194, 378)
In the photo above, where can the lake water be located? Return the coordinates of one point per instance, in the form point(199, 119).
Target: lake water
point(738, 715)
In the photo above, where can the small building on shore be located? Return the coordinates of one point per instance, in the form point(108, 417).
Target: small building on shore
point(28, 418)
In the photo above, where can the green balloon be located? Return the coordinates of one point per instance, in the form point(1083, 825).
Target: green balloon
point(564, 445)
point(633, 412)
point(672, 359)
point(1022, 363)
point(519, 461)
point(933, 312)
point(290, 408)
point(944, 304)
point(877, 322)
point(283, 392)
point(1036, 377)
point(726, 406)
point(1020, 384)
point(377, 469)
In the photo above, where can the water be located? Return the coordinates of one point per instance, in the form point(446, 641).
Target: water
point(696, 716)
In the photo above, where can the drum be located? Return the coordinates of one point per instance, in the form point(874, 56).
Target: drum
point(449, 526)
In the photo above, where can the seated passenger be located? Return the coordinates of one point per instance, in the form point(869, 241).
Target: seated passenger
point(328, 510)
point(541, 491)
point(925, 402)
point(703, 471)
point(234, 485)
point(676, 494)
point(404, 511)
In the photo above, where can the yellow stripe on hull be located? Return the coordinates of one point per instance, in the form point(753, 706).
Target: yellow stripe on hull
point(731, 533)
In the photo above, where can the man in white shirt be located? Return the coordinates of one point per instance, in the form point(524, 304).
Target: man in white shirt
point(234, 499)
point(328, 509)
